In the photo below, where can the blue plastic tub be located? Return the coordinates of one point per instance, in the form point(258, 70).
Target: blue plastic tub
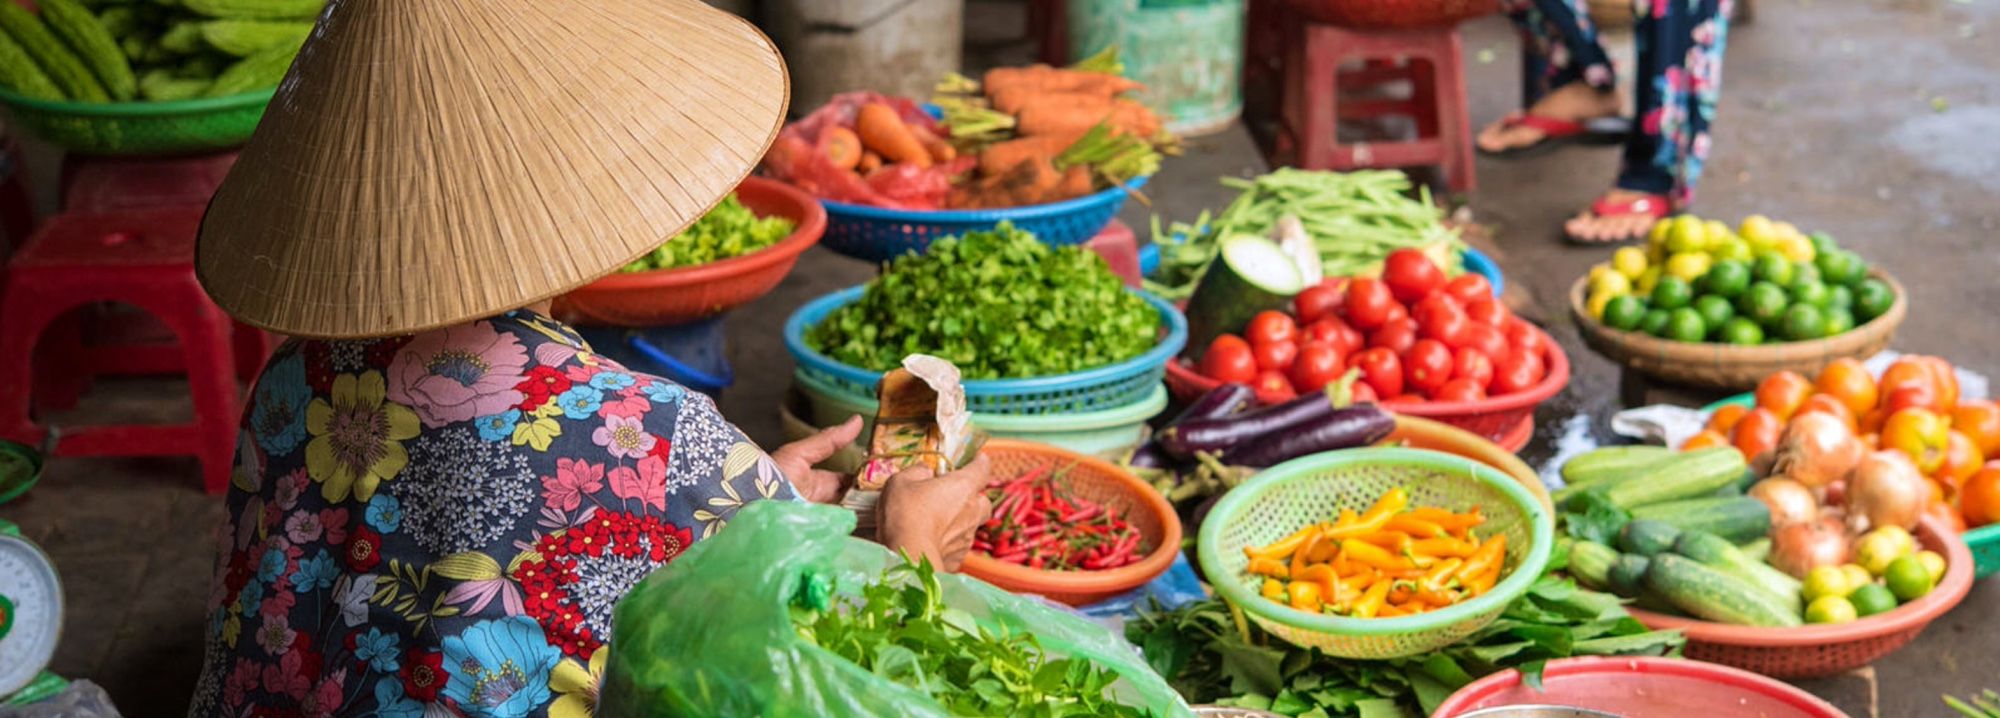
point(878, 234)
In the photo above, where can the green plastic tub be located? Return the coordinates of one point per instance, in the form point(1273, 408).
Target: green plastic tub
point(1106, 433)
point(141, 128)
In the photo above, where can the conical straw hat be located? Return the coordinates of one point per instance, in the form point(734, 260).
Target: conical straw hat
point(428, 162)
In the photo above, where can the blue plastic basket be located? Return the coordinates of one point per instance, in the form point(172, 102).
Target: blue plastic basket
point(877, 234)
point(1106, 387)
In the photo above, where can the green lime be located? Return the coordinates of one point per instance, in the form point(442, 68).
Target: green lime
point(1831, 609)
point(1728, 278)
point(1840, 267)
point(1624, 312)
point(1654, 323)
point(1742, 332)
point(1714, 310)
point(1907, 578)
point(1838, 296)
point(1685, 325)
point(1672, 293)
point(1803, 322)
point(1803, 273)
point(1735, 250)
point(1812, 292)
point(1823, 243)
point(1763, 303)
point(1872, 599)
point(1872, 298)
point(1774, 268)
point(1838, 321)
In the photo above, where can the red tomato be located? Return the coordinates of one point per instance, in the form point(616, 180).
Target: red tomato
point(1525, 337)
point(1319, 300)
point(1381, 369)
point(1398, 311)
point(1332, 330)
point(1273, 388)
point(1275, 356)
point(1411, 275)
point(1460, 390)
point(1229, 360)
point(1368, 303)
point(1363, 393)
point(1395, 336)
point(1488, 312)
point(1318, 365)
point(1910, 395)
point(1516, 373)
point(1405, 399)
point(1271, 327)
point(1427, 365)
point(1468, 363)
point(1439, 317)
point(1487, 340)
point(1468, 288)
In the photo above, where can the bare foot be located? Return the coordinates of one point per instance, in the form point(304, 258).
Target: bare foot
point(1591, 227)
point(1574, 102)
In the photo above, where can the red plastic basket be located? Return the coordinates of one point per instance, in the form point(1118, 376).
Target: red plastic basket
point(1825, 650)
point(1635, 687)
point(666, 297)
point(1393, 14)
point(1505, 420)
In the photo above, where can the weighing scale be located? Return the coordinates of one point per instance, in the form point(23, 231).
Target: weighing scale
point(30, 620)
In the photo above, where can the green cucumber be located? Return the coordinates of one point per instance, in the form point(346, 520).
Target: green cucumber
point(1590, 563)
point(1647, 538)
point(1735, 518)
point(1712, 594)
point(1627, 576)
point(1611, 462)
point(1692, 475)
point(1717, 552)
point(1251, 274)
point(1758, 549)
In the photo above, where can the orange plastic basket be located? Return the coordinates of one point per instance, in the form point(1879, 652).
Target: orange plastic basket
point(665, 297)
point(1419, 433)
point(1099, 481)
point(1825, 650)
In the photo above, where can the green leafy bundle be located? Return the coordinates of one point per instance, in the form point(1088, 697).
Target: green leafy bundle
point(998, 304)
point(729, 230)
point(1202, 652)
point(901, 629)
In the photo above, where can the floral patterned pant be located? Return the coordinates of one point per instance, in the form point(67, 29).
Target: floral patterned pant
point(1679, 77)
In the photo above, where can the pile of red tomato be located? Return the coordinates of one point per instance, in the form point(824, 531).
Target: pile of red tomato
point(1413, 335)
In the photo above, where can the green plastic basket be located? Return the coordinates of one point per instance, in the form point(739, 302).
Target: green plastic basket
point(141, 128)
point(1315, 488)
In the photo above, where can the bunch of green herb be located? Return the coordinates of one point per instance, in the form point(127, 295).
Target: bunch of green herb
point(998, 304)
point(1204, 654)
point(729, 230)
point(901, 629)
point(1355, 219)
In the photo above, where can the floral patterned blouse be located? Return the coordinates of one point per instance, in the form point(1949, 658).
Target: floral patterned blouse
point(439, 524)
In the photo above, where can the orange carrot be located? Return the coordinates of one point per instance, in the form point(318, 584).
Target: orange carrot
point(1076, 182)
point(869, 162)
point(882, 131)
point(1000, 157)
point(940, 149)
point(1050, 80)
point(840, 146)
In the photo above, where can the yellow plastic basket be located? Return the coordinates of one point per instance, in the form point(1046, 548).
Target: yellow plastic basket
point(1315, 488)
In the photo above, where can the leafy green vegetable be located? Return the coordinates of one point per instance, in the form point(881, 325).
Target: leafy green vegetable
point(902, 630)
point(729, 230)
point(1200, 651)
point(1592, 517)
point(998, 304)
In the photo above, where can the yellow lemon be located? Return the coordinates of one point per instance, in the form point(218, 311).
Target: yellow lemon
point(1629, 261)
point(1856, 576)
point(1786, 229)
point(1717, 233)
point(1650, 279)
point(1609, 284)
point(1688, 235)
point(1757, 230)
point(1899, 538)
point(1827, 581)
point(1688, 265)
point(1735, 249)
point(1796, 248)
point(1596, 304)
point(1658, 235)
point(1934, 563)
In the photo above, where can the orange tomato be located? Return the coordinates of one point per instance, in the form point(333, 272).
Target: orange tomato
point(1946, 380)
point(1945, 513)
point(1758, 432)
point(1724, 419)
point(1914, 379)
point(1872, 440)
point(1848, 381)
point(1708, 438)
point(1783, 392)
point(1961, 459)
point(1921, 434)
point(1871, 422)
point(1980, 420)
point(1979, 498)
point(1830, 405)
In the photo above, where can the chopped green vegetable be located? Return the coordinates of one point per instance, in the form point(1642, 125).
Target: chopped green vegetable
point(901, 629)
point(729, 230)
point(997, 304)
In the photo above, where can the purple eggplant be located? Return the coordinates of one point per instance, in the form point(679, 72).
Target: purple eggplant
point(1358, 425)
point(1217, 403)
point(1229, 432)
point(1149, 456)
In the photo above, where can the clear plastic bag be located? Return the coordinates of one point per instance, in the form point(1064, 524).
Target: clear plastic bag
point(712, 634)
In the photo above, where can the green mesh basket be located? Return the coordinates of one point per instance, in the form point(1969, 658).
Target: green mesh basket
point(141, 128)
point(1286, 497)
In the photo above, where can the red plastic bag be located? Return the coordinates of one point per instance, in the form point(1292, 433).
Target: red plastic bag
point(793, 159)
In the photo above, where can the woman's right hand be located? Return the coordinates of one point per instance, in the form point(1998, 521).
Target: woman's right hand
point(934, 516)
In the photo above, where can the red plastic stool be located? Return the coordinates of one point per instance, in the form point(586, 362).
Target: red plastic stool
point(1120, 249)
point(144, 259)
point(17, 208)
point(1430, 60)
point(111, 184)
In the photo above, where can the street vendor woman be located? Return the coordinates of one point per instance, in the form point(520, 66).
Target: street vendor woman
point(440, 490)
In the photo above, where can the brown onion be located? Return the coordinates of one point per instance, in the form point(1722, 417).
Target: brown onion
point(1816, 449)
point(1790, 501)
point(1886, 490)
point(1801, 547)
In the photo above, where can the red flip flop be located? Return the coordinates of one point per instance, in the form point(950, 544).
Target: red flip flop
point(1654, 206)
point(1556, 132)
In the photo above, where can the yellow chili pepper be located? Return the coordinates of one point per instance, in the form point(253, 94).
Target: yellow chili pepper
point(1391, 611)
point(1273, 589)
point(1410, 524)
point(1285, 546)
point(1483, 582)
point(1371, 602)
point(1443, 546)
point(1394, 541)
point(1435, 599)
point(1440, 576)
point(1299, 556)
point(1402, 591)
point(1455, 523)
point(1372, 555)
point(1487, 557)
point(1269, 567)
point(1377, 516)
point(1304, 596)
point(1321, 574)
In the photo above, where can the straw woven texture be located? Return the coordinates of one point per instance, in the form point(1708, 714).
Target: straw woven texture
point(426, 163)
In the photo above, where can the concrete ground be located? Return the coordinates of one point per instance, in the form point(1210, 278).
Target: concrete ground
point(1871, 119)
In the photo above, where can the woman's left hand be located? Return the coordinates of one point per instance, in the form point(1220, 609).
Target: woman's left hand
point(796, 461)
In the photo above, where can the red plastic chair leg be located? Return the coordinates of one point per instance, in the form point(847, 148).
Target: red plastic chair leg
point(24, 318)
point(205, 334)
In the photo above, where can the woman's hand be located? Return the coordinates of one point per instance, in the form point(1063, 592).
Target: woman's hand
point(934, 516)
point(796, 460)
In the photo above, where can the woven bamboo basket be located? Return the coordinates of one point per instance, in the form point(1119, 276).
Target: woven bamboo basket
point(1730, 367)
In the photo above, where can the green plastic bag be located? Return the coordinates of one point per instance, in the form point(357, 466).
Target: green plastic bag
point(711, 634)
